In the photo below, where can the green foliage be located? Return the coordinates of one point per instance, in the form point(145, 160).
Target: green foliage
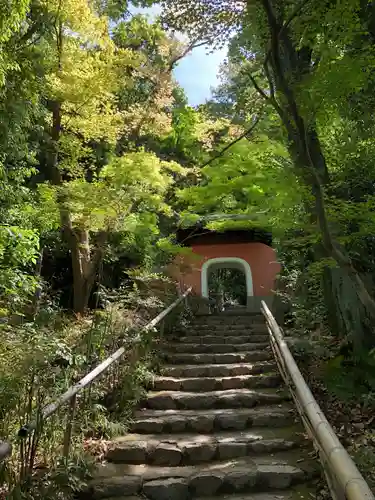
point(40, 360)
point(352, 378)
point(251, 178)
point(308, 90)
point(19, 249)
point(101, 155)
point(12, 14)
point(231, 283)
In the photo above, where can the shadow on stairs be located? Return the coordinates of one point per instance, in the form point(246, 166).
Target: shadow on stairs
point(216, 423)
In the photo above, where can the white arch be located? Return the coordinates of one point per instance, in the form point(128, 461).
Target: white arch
point(226, 261)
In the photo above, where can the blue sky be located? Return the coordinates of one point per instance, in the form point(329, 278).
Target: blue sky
point(197, 72)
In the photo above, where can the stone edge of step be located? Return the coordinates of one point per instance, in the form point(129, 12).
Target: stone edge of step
point(250, 355)
point(295, 494)
point(199, 348)
point(204, 384)
point(209, 421)
point(230, 398)
point(187, 451)
point(236, 369)
point(196, 481)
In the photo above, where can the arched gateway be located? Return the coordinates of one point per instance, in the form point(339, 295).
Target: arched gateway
point(248, 251)
point(227, 262)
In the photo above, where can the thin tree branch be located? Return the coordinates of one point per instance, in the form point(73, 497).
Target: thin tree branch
point(258, 88)
point(228, 146)
point(272, 100)
point(269, 78)
point(188, 49)
point(293, 15)
point(285, 25)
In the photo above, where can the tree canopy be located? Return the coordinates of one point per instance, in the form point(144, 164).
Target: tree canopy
point(101, 155)
point(103, 160)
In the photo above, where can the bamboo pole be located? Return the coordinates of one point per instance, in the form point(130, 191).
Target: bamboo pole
point(342, 467)
point(51, 408)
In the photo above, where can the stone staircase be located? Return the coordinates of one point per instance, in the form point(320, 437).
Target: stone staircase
point(216, 423)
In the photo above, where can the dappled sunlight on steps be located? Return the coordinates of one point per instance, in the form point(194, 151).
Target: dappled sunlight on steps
point(216, 423)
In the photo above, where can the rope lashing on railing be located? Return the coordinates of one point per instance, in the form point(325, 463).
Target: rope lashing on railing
point(343, 477)
point(51, 408)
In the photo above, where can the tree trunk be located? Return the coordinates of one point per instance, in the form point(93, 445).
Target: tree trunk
point(85, 266)
point(85, 263)
point(287, 66)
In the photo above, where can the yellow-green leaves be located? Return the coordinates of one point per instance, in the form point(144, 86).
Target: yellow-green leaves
point(129, 189)
point(141, 171)
point(12, 14)
point(78, 19)
point(86, 72)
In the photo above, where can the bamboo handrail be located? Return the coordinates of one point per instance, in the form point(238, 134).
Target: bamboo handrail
point(343, 477)
point(51, 408)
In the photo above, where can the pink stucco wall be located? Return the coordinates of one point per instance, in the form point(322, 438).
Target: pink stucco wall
point(261, 258)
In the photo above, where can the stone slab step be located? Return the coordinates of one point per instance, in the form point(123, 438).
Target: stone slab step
point(222, 327)
point(219, 358)
point(218, 370)
point(229, 318)
point(298, 492)
point(188, 449)
point(222, 317)
point(216, 358)
point(203, 384)
point(226, 331)
point(231, 398)
point(211, 348)
point(222, 339)
point(208, 421)
point(183, 482)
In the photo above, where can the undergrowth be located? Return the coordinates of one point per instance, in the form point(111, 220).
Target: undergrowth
point(40, 360)
point(343, 384)
point(336, 362)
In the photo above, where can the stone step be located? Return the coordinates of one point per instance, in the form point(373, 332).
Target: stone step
point(245, 474)
point(232, 398)
point(223, 358)
point(221, 331)
point(208, 421)
point(221, 339)
point(220, 348)
point(244, 325)
point(253, 327)
point(203, 384)
point(218, 370)
point(229, 318)
point(228, 333)
point(188, 449)
point(297, 492)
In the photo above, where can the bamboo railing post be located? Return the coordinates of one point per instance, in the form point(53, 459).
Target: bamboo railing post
point(5, 450)
point(162, 328)
point(69, 426)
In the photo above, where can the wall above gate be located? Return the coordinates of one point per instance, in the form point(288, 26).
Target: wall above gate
point(248, 250)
